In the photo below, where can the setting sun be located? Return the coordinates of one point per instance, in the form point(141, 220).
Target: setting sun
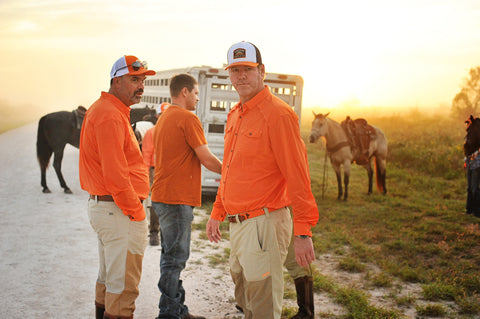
point(349, 53)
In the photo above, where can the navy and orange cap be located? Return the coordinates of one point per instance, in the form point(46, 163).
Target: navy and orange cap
point(243, 53)
point(129, 64)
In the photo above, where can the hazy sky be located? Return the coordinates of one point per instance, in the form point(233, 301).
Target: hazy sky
point(57, 54)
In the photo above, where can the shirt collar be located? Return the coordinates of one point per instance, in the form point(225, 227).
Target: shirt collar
point(253, 102)
point(117, 103)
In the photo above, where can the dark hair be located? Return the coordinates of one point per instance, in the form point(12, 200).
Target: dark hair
point(180, 81)
point(257, 53)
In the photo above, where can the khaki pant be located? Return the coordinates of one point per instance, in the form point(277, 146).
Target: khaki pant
point(258, 250)
point(121, 244)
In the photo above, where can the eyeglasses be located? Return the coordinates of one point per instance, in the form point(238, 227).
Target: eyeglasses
point(135, 65)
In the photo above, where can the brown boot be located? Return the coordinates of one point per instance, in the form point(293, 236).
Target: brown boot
point(99, 311)
point(154, 241)
point(304, 288)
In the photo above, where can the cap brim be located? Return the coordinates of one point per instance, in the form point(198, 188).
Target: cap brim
point(143, 71)
point(246, 63)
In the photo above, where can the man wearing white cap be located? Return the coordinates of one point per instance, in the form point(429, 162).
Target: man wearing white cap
point(264, 170)
point(112, 171)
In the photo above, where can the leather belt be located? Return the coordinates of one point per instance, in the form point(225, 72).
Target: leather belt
point(102, 198)
point(241, 217)
point(105, 198)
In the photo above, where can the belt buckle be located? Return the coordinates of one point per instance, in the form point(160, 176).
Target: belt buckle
point(235, 218)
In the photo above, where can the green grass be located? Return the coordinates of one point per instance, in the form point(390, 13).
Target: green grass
point(416, 233)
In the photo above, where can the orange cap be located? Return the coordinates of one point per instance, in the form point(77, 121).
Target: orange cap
point(129, 64)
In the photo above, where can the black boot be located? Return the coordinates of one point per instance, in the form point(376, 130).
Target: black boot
point(304, 288)
point(99, 311)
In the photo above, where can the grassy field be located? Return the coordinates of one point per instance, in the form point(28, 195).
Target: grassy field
point(417, 233)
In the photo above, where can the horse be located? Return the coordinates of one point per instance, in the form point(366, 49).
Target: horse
point(143, 114)
point(340, 152)
point(55, 130)
point(472, 137)
point(471, 149)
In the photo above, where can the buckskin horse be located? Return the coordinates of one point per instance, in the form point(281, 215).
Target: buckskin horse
point(55, 130)
point(339, 149)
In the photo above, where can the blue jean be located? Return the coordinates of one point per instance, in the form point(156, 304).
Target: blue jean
point(175, 231)
point(473, 192)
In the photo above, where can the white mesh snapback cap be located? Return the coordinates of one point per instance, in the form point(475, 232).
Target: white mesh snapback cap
point(243, 53)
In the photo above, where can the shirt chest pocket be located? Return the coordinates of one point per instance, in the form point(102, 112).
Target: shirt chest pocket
point(250, 141)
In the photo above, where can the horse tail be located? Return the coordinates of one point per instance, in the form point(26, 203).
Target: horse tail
point(44, 151)
point(380, 176)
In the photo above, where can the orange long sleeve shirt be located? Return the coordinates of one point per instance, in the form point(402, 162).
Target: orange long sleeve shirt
point(111, 162)
point(265, 163)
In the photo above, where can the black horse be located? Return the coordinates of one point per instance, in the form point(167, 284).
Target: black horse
point(471, 149)
point(55, 130)
point(143, 114)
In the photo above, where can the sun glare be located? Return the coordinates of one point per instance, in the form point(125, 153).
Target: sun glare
point(25, 26)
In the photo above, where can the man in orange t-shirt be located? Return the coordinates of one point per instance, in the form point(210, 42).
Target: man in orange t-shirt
point(180, 147)
point(112, 171)
point(265, 169)
point(148, 152)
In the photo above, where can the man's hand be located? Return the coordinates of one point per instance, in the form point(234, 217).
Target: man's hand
point(213, 230)
point(304, 254)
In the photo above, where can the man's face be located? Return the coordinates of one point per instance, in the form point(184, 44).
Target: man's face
point(247, 80)
point(192, 99)
point(130, 88)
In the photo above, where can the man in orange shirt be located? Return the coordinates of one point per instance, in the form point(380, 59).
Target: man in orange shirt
point(112, 171)
point(264, 170)
point(180, 148)
point(149, 160)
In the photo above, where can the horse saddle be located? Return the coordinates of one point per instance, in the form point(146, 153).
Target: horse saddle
point(78, 115)
point(359, 134)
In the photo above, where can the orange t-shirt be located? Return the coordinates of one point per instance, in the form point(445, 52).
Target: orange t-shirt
point(110, 161)
point(177, 168)
point(147, 148)
point(265, 163)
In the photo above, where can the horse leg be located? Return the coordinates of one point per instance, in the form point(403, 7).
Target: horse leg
point(381, 174)
point(338, 174)
point(346, 177)
point(43, 170)
point(369, 169)
point(346, 180)
point(44, 152)
point(339, 185)
point(57, 164)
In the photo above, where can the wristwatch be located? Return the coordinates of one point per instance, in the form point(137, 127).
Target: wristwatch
point(303, 236)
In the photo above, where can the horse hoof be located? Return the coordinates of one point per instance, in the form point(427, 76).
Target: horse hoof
point(68, 191)
point(46, 191)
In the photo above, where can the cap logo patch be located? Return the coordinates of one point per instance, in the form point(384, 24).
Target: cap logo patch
point(239, 53)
